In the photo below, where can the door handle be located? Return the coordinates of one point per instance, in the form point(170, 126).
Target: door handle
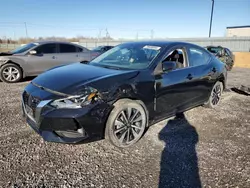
point(190, 77)
point(53, 57)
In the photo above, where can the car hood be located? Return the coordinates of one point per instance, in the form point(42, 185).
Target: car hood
point(9, 54)
point(67, 79)
point(6, 54)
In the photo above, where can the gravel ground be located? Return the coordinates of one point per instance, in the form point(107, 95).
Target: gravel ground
point(209, 148)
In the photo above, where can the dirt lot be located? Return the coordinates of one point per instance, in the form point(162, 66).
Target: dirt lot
point(210, 147)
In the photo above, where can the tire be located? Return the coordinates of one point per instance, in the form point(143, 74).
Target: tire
point(126, 123)
point(215, 95)
point(11, 73)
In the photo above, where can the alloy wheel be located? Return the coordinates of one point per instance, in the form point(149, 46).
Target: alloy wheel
point(11, 74)
point(128, 126)
point(216, 94)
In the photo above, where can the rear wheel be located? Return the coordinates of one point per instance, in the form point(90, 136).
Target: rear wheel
point(126, 123)
point(215, 95)
point(10, 73)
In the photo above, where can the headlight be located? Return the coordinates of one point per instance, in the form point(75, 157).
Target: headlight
point(77, 101)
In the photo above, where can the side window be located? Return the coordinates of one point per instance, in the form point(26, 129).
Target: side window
point(46, 49)
point(228, 52)
point(198, 57)
point(67, 48)
point(177, 56)
point(79, 49)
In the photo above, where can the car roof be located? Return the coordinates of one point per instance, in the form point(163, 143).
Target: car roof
point(161, 43)
point(58, 42)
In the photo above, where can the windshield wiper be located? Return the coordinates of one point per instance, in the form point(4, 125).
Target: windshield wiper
point(110, 67)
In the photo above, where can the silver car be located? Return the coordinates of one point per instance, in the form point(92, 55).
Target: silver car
point(37, 57)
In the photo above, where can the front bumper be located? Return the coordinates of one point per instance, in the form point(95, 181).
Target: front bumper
point(66, 125)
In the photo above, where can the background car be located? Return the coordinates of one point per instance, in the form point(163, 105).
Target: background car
point(102, 49)
point(123, 91)
point(223, 54)
point(37, 57)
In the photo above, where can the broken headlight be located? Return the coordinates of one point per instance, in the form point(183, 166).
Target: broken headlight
point(76, 101)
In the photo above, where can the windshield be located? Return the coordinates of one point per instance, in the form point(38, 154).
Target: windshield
point(128, 56)
point(214, 50)
point(23, 48)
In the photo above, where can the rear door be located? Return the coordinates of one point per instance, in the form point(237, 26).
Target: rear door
point(67, 54)
point(204, 73)
point(85, 54)
point(44, 59)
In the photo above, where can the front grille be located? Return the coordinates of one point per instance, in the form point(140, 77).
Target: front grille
point(31, 101)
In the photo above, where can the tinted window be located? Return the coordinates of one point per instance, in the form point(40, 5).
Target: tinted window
point(214, 50)
point(79, 49)
point(46, 49)
point(198, 57)
point(67, 48)
point(228, 52)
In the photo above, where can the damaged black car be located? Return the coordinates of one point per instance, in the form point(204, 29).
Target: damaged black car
point(119, 94)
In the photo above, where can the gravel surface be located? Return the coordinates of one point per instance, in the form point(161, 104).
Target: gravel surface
point(209, 148)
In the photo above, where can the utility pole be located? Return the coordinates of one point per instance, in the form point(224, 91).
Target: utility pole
point(107, 33)
point(25, 25)
point(152, 34)
point(211, 19)
point(137, 36)
point(100, 34)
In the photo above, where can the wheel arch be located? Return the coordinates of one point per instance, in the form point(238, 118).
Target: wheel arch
point(222, 79)
point(136, 100)
point(12, 62)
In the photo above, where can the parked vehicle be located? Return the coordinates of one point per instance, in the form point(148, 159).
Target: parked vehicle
point(35, 58)
point(102, 49)
point(122, 92)
point(223, 54)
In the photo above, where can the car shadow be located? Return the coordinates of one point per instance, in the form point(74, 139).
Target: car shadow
point(27, 79)
point(179, 165)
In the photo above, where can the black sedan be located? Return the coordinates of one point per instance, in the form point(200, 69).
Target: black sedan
point(122, 92)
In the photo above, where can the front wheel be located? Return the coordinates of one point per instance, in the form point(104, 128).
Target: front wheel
point(126, 123)
point(10, 73)
point(215, 95)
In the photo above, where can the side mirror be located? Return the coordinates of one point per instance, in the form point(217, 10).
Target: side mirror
point(32, 52)
point(168, 66)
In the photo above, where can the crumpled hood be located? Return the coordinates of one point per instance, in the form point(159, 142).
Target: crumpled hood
point(67, 79)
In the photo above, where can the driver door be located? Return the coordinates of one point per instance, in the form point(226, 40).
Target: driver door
point(44, 59)
point(174, 89)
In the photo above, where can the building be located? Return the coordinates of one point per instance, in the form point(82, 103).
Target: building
point(238, 31)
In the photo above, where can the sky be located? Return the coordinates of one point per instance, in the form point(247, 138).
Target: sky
point(121, 18)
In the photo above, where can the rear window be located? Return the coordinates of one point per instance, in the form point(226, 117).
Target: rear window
point(214, 49)
point(67, 48)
